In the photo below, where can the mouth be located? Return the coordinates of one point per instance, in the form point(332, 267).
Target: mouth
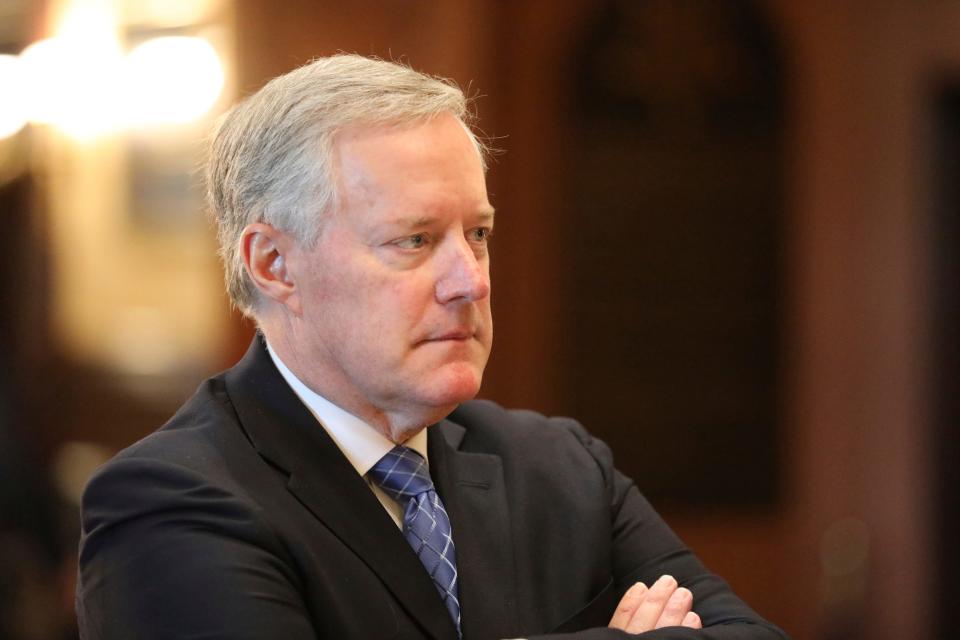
point(454, 335)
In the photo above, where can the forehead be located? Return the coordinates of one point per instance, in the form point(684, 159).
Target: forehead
point(433, 160)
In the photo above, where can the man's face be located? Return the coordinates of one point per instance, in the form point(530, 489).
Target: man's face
point(395, 295)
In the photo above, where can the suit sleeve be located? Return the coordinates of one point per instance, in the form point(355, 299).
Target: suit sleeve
point(646, 548)
point(165, 552)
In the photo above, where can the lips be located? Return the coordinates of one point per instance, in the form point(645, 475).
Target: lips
point(457, 334)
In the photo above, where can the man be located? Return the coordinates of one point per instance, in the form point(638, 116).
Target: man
point(338, 482)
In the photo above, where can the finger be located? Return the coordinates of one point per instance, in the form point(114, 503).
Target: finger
point(677, 607)
point(652, 606)
point(692, 621)
point(628, 605)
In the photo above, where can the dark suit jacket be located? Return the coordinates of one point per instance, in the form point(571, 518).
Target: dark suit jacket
point(240, 518)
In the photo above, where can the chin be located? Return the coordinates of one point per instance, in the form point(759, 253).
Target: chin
point(453, 385)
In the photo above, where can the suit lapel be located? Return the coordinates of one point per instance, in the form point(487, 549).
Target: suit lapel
point(472, 489)
point(285, 433)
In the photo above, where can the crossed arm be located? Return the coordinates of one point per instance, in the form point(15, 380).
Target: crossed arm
point(671, 595)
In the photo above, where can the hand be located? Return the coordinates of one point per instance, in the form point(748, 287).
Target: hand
point(662, 605)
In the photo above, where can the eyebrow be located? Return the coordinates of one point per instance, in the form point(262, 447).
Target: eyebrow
point(486, 214)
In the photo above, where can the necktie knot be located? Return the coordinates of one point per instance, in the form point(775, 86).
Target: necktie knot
point(402, 474)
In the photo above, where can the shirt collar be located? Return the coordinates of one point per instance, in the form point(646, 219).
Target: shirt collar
point(362, 444)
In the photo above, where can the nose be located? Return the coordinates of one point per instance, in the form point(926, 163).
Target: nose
point(463, 275)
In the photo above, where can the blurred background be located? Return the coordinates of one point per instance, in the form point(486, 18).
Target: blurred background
point(727, 241)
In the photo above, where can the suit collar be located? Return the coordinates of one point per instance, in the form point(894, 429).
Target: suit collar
point(284, 432)
point(362, 444)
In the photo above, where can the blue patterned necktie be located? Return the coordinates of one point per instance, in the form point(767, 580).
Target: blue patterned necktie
point(403, 475)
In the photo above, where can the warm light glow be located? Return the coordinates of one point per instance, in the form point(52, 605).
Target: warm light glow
point(89, 21)
point(72, 78)
point(172, 79)
point(43, 75)
point(13, 110)
point(172, 13)
point(80, 82)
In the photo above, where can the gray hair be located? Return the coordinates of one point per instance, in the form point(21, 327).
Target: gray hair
point(271, 157)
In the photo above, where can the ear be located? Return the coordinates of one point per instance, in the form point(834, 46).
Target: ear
point(265, 251)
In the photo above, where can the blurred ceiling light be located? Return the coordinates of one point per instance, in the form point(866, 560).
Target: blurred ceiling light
point(88, 21)
point(42, 72)
point(73, 85)
point(172, 79)
point(72, 78)
point(80, 82)
point(171, 13)
point(13, 110)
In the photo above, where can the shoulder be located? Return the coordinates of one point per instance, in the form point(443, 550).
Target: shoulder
point(185, 464)
point(483, 418)
point(521, 433)
point(197, 437)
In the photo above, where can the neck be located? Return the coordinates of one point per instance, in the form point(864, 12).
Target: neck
point(398, 425)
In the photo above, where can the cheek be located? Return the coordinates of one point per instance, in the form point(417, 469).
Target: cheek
point(343, 284)
point(360, 298)
point(408, 296)
point(381, 310)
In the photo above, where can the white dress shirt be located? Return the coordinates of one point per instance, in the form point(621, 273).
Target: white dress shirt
point(360, 443)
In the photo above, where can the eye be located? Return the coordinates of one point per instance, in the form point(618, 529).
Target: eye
point(480, 234)
point(416, 241)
